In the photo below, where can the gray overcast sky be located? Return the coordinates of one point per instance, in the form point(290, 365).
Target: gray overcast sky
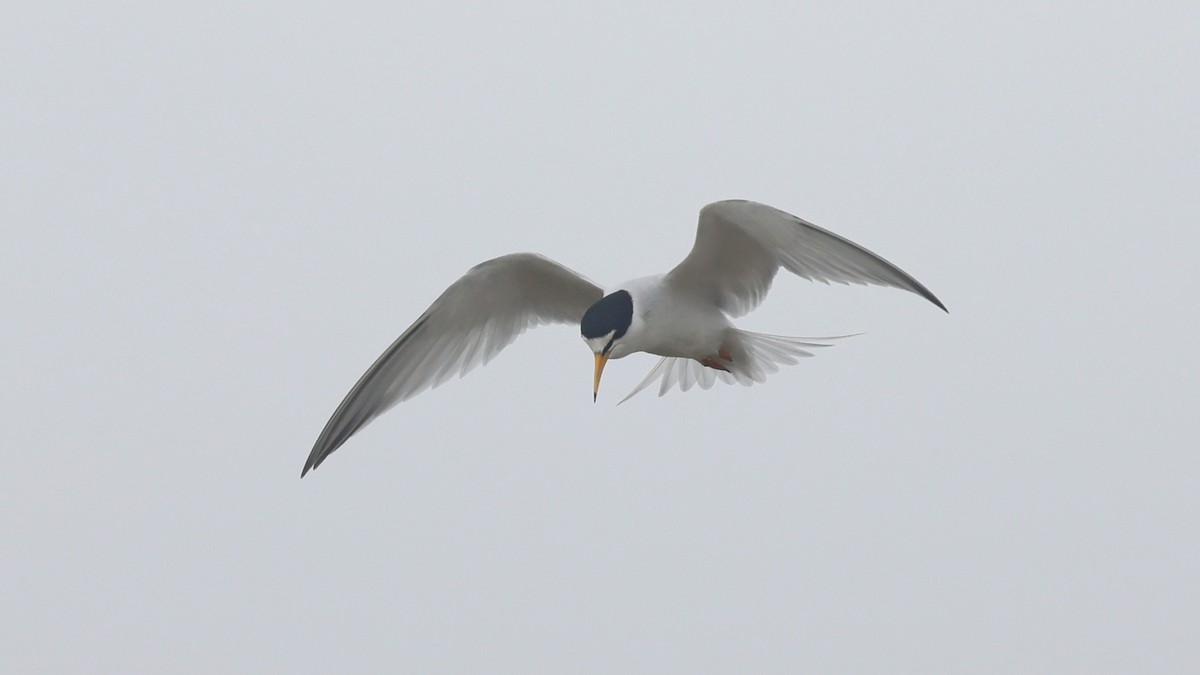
point(215, 216)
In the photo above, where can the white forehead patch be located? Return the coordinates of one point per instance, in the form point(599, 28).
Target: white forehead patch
point(598, 344)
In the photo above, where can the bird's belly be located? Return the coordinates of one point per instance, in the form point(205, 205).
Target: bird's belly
point(688, 334)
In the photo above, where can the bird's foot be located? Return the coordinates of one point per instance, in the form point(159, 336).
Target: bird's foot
point(721, 361)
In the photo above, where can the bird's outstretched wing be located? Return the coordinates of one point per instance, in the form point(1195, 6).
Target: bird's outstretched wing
point(476, 317)
point(740, 246)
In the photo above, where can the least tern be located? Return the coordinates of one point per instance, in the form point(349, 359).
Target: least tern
point(682, 316)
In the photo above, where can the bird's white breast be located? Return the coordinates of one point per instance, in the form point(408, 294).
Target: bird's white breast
point(671, 322)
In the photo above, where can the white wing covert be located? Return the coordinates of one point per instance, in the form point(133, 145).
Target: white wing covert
point(740, 246)
point(475, 318)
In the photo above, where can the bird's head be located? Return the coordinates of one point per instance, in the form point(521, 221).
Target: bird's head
point(603, 325)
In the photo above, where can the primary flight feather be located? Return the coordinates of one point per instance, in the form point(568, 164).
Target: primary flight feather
point(683, 315)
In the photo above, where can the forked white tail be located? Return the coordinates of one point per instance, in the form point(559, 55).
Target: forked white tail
point(755, 355)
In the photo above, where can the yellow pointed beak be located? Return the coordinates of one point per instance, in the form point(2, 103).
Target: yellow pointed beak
point(601, 359)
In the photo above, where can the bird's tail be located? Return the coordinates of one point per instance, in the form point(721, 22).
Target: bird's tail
point(753, 357)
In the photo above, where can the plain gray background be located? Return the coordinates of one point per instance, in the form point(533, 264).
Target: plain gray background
point(215, 216)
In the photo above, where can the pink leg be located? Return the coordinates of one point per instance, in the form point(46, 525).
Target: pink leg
point(723, 357)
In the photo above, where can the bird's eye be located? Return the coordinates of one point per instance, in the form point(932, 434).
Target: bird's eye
point(608, 347)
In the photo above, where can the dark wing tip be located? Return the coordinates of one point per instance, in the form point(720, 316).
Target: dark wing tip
point(339, 428)
point(330, 440)
point(933, 298)
point(319, 454)
point(312, 462)
point(322, 450)
point(917, 287)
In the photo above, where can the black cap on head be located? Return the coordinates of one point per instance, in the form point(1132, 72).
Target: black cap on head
point(611, 314)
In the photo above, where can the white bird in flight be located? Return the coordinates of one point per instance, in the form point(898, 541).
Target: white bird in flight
point(682, 316)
